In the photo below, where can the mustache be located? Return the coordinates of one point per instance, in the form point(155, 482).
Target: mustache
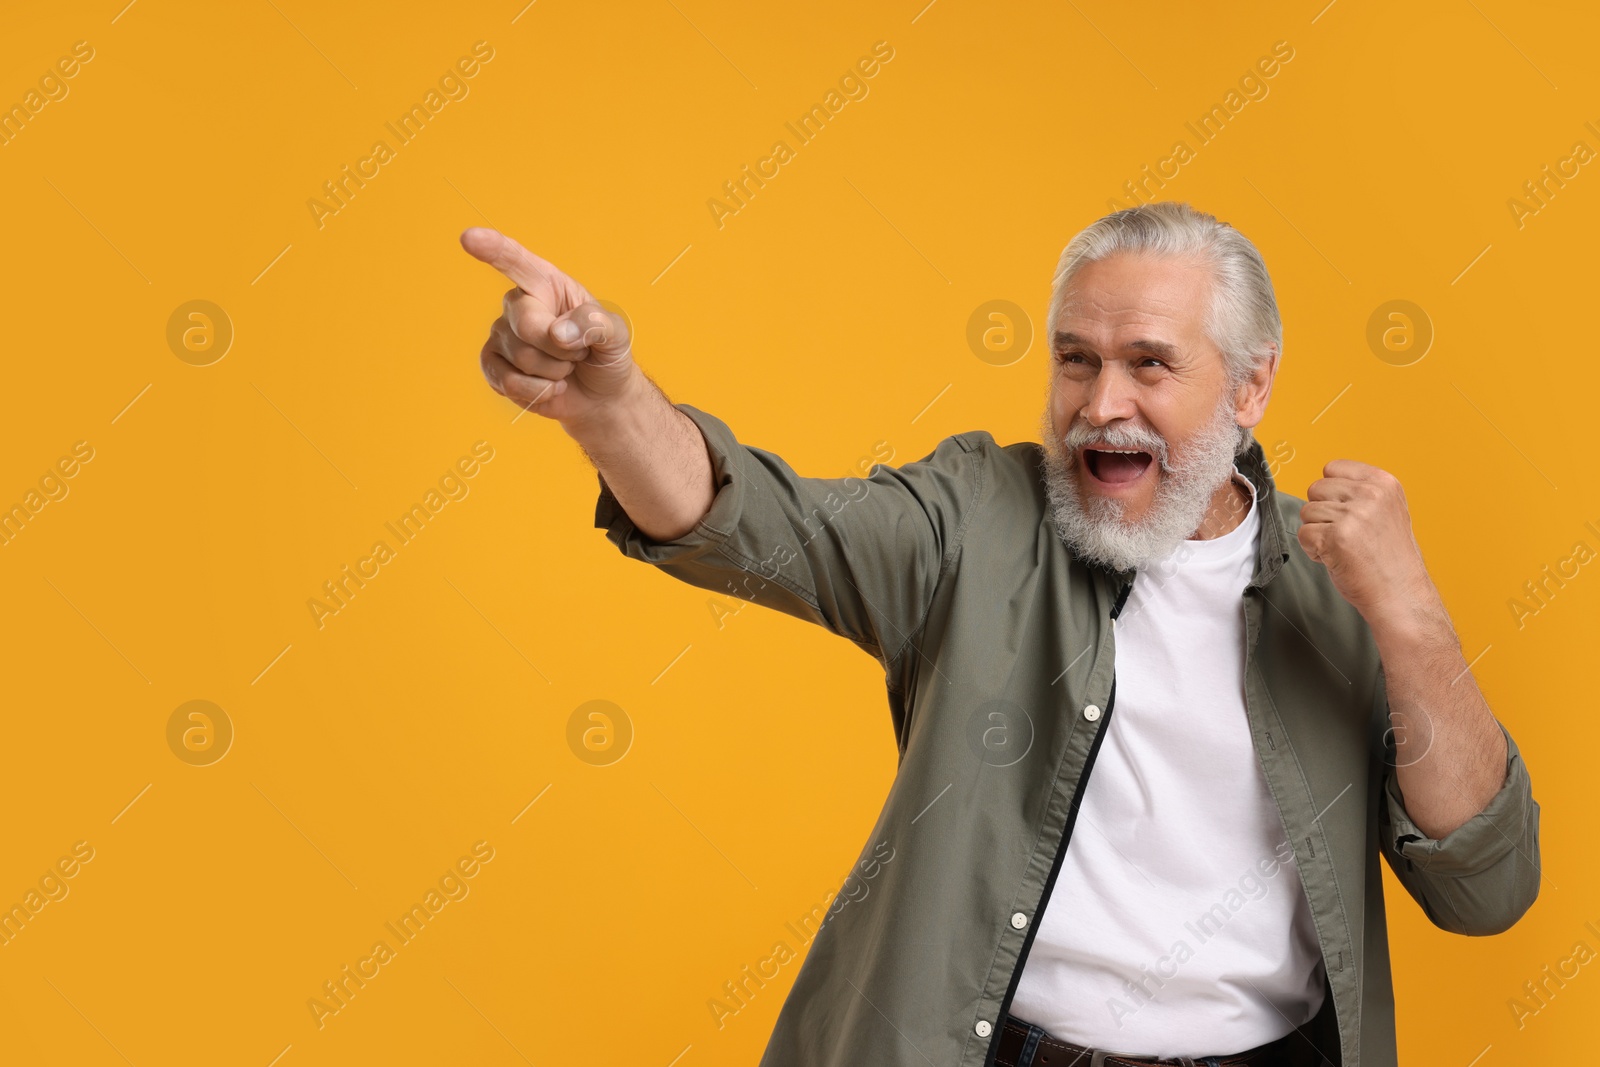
point(1081, 435)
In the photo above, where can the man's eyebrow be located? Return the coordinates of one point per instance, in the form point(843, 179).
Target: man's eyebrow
point(1065, 338)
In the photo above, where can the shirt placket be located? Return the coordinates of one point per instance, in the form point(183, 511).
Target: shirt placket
point(1092, 718)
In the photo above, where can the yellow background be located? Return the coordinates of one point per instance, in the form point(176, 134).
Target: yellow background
point(825, 316)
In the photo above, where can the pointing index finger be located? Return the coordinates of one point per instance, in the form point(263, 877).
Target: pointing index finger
point(508, 257)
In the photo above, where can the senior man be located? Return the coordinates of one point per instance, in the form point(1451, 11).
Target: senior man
point(1269, 689)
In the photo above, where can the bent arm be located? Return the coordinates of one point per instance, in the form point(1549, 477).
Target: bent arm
point(1482, 874)
point(652, 457)
point(1452, 756)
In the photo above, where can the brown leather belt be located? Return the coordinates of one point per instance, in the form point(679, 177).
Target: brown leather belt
point(1052, 1052)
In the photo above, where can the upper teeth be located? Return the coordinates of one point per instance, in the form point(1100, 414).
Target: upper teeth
point(1123, 451)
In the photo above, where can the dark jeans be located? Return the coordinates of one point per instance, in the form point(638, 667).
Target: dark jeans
point(1298, 1051)
point(1030, 1046)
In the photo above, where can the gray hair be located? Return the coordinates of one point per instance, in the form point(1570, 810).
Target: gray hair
point(1242, 320)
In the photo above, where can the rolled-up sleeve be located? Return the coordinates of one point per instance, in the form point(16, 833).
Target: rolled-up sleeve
point(1481, 877)
point(860, 556)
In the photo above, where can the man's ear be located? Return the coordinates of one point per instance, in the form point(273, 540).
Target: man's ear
point(1252, 395)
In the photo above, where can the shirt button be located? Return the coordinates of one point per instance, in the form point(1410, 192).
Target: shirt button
point(1019, 920)
point(983, 1029)
point(1092, 712)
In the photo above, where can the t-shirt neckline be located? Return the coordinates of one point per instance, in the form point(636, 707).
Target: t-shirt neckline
point(1229, 543)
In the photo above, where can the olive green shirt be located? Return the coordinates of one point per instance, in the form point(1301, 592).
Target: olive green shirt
point(999, 652)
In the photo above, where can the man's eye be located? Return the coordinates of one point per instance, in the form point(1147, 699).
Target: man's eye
point(1067, 357)
point(1152, 359)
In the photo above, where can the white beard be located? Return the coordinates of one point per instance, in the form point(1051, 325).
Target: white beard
point(1098, 534)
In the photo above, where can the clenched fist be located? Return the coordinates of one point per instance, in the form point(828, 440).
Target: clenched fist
point(553, 350)
point(1355, 523)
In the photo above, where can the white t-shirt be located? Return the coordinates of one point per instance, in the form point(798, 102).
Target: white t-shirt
point(1182, 927)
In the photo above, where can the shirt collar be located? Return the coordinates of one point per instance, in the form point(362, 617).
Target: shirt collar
point(1272, 550)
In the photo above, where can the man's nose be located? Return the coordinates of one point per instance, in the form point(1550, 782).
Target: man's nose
point(1111, 396)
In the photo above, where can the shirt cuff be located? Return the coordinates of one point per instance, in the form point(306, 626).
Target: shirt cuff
point(1481, 841)
point(713, 528)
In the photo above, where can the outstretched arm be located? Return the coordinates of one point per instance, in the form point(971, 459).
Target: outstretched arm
point(858, 555)
point(653, 458)
point(558, 353)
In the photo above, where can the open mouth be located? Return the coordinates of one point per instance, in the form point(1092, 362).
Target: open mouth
point(1116, 466)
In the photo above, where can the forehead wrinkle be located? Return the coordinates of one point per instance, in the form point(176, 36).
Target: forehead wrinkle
point(1107, 300)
